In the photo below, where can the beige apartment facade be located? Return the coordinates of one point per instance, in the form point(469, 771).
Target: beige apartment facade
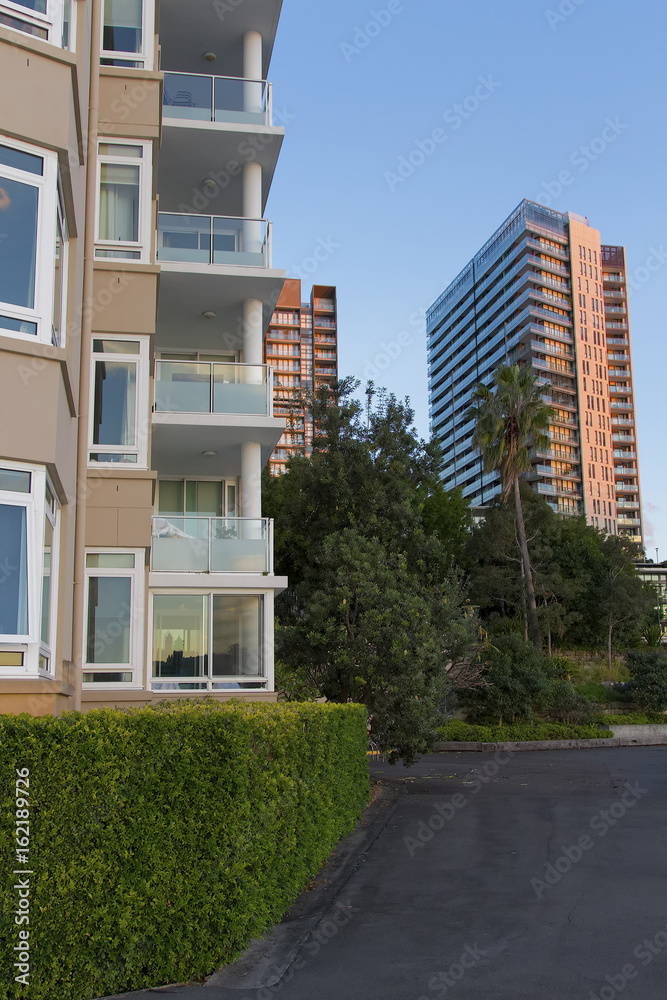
point(136, 289)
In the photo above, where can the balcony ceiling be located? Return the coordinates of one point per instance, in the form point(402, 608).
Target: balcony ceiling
point(189, 30)
point(179, 441)
point(193, 151)
point(188, 290)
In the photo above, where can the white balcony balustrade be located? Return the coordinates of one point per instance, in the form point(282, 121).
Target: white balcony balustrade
point(213, 239)
point(203, 387)
point(201, 98)
point(212, 545)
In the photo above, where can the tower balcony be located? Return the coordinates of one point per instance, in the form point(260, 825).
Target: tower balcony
point(204, 413)
point(213, 126)
point(197, 251)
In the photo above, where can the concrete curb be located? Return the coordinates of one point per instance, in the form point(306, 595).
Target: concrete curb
point(267, 959)
point(608, 744)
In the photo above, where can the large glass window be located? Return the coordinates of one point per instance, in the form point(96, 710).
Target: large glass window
point(208, 642)
point(114, 597)
point(118, 401)
point(126, 35)
point(30, 216)
point(28, 562)
point(124, 207)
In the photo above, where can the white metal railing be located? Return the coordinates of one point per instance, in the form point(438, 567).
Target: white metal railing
point(212, 545)
point(213, 239)
point(200, 97)
point(212, 387)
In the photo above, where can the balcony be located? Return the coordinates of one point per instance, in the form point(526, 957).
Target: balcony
point(616, 404)
point(626, 522)
point(616, 309)
point(616, 341)
point(551, 265)
point(624, 470)
point(195, 252)
point(627, 504)
point(200, 387)
point(626, 487)
point(213, 239)
point(212, 545)
point(199, 98)
point(623, 438)
point(621, 422)
point(563, 367)
point(624, 454)
point(616, 279)
point(619, 357)
point(539, 346)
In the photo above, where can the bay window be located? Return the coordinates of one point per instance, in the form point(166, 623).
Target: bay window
point(118, 428)
point(208, 642)
point(50, 20)
point(28, 568)
point(127, 34)
point(124, 211)
point(114, 617)
point(33, 244)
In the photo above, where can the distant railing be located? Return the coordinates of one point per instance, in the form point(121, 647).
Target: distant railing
point(198, 97)
point(212, 545)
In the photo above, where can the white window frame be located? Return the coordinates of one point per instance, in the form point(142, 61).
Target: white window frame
point(48, 198)
point(264, 682)
point(224, 481)
point(145, 163)
point(143, 59)
point(47, 651)
point(141, 415)
point(136, 664)
point(52, 22)
point(30, 644)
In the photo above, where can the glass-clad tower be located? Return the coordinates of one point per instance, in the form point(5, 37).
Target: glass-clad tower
point(541, 292)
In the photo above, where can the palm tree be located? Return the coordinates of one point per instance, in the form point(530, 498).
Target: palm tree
point(510, 419)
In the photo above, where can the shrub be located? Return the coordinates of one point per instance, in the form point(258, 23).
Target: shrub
point(565, 704)
point(648, 684)
point(163, 841)
point(598, 693)
point(518, 680)
point(458, 731)
point(633, 719)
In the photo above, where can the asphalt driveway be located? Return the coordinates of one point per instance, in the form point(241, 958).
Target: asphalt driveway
point(540, 876)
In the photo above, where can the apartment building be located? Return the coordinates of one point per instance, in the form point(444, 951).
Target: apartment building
point(136, 289)
point(302, 348)
point(543, 291)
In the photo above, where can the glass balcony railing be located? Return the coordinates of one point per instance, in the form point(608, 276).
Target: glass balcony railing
point(200, 98)
point(212, 239)
point(212, 545)
point(200, 387)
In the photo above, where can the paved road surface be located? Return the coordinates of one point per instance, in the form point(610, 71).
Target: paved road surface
point(472, 912)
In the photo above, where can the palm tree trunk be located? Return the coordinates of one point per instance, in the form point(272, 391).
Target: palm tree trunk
point(533, 620)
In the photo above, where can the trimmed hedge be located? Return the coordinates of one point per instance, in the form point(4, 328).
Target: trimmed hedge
point(633, 719)
point(458, 731)
point(163, 840)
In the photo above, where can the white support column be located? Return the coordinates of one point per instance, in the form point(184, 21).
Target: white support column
point(252, 72)
point(252, 208)
point(251, 480)
point(253, 325)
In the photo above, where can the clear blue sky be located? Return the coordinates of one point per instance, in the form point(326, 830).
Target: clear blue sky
point(552, 81)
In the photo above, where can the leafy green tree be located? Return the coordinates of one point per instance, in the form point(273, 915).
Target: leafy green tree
point(366, 633)
point(509, 420)
point(358, 514)
point(624, 600)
